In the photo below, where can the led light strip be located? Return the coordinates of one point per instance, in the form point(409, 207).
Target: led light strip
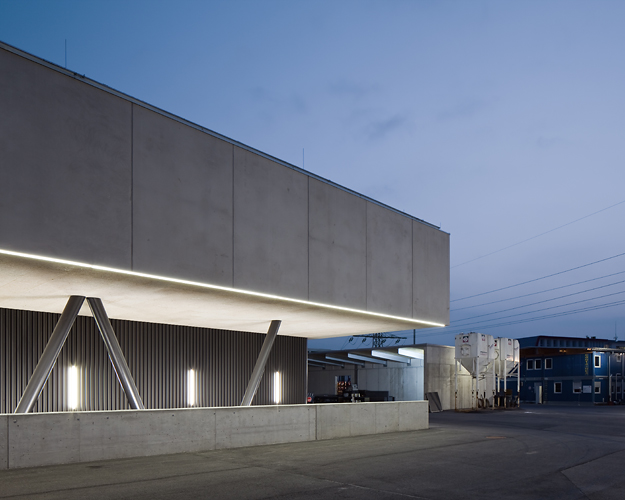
point(213, 287)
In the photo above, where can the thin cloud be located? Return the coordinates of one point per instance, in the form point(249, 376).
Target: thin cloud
point(352, 90)
point(466, 108)
point(381, 129)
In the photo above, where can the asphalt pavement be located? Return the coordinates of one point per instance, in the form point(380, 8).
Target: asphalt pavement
point(536, 452)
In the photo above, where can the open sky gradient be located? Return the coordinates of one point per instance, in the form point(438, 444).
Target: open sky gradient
point(498, 121)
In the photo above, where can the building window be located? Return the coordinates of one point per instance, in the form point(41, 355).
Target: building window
point(548, 364)
point(597, 361)
point(530, 364)
point(577, 387)
point(538, 364)
point(557, 387)
point(598, 387)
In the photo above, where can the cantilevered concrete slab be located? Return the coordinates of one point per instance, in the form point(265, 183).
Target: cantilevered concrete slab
point(169, 222)
point(35, 283)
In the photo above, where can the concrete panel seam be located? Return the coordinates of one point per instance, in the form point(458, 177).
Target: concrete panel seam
point(233, 216)
point(308, 232)
point(132, 186)
point(133, 100)
point(366, 256)
point(7, 441)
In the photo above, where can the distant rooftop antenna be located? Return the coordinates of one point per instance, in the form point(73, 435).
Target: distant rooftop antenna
point(303, 162)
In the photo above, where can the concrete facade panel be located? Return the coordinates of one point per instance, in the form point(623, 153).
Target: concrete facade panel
point(182, 201)
point(413, 415)
point(43, 439)
point(270, 227)
point(4, 442)
point(386, 418)
point(106, 435)
point(261, 425)
point(65, 174)
point(384, 379)
point(362, 419)
point(338, 242)
point(389, 261)
point(333, 421)
point(430, 269)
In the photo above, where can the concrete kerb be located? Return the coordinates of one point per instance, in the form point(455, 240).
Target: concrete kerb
point(36, 439)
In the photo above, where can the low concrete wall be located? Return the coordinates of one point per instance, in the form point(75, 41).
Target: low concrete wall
point(37, 439)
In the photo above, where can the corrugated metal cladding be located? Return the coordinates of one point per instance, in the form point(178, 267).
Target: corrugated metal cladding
point(159, 357)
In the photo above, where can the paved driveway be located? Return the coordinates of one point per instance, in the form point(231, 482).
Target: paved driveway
point(538, 452)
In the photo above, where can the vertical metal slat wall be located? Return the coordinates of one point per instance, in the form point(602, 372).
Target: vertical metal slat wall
point(158, 356)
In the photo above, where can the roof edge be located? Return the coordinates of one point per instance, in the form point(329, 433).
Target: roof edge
point(121, 95)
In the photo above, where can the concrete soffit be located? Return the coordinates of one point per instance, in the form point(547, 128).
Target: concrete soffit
point(39, 283)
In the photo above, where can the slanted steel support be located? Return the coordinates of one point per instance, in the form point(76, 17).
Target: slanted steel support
point(259, 368)
point(115, 353)
point(50, 354)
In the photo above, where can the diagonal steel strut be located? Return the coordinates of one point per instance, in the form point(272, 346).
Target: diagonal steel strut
point(50, 354)
point(115, 353)
point(259, 368)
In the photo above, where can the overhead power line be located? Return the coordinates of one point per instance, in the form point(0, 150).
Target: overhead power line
point(524, 320)
point(560, 314)
point(539, 235)
point(537, 293)
point(546, 300)
point(547, 308)
point(538, 279)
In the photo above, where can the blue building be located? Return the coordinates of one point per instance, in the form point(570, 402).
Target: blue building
point(568, 369)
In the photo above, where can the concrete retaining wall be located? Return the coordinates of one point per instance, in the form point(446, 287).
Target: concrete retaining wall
point(32, 440)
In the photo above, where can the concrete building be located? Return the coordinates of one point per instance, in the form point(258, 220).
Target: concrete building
point(216, 261)
point(570, 369)
point(404, 373)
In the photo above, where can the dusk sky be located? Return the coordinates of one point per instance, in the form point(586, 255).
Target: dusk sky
point(499, 121)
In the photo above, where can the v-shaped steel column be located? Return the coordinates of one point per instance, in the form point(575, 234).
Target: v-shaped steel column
point(115, 353)
point(50, 354)
point(55, 344)
point(259, 368)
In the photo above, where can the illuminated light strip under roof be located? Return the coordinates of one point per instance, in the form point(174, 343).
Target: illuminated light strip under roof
point(213, 287)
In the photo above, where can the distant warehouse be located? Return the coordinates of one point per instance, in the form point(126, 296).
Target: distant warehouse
point(570, 369)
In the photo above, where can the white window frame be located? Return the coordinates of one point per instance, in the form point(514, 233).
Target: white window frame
point(577, 384)
point(597, 361)
point(597, 386)
point(550, 360)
